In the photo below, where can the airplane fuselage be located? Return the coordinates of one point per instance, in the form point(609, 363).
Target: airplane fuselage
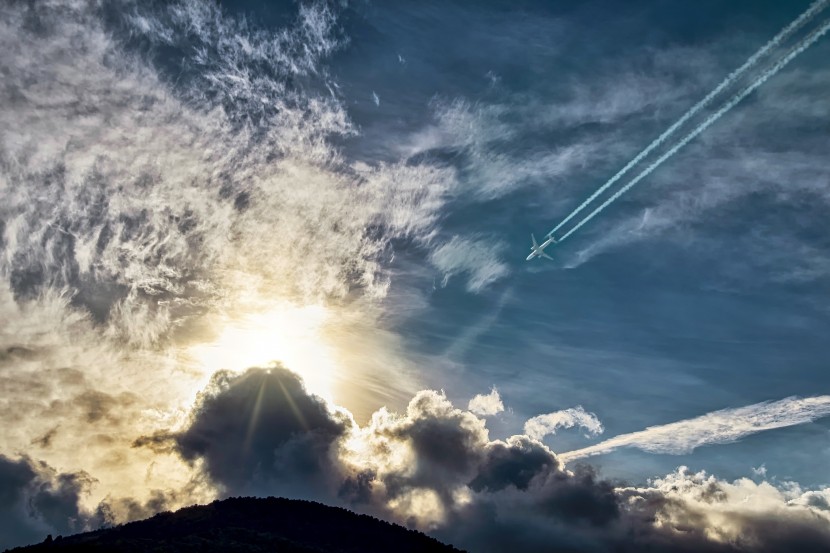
point(538, 250)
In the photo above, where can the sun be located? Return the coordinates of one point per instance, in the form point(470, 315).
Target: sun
point(287, 333)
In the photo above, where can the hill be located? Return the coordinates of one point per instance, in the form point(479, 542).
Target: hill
point(250, 525)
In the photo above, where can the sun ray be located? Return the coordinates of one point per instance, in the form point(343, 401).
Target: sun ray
point(252, 423)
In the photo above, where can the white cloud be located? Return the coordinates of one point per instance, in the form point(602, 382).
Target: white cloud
point(174, 196)
point(477, 257)
point(486, 404)
point(718, 427)
point(743, 512)
point(542, 425)
point(492, 166)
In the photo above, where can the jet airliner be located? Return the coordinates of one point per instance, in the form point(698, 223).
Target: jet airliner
point(539, 251)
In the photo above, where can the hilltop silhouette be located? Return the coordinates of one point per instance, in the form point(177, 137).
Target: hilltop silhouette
point(248, 524)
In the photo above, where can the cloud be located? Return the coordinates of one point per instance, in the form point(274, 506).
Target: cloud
point(496, 145)
point(765, 156)
point(701, 200)
point(769, 147)
point(156, 201)
point(165, 169)
point(717, 427)
point(435, 467)
point(542, 425)
point(483, 139)
point(697, 508)
point(760, 471)
point(418, 460)
point(819, 499)
point(261, 433)
point(477, 257)
point(36, 500)
point(486, 405)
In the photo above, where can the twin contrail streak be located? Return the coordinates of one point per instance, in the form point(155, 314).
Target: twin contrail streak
point(766, 75)
point(785, 33)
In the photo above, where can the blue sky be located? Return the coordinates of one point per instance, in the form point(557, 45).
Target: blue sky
point(702, 289)
point(194, 191)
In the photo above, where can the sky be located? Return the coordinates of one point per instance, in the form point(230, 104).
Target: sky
point(256, 248)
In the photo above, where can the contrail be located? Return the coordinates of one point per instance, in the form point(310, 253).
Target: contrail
point(785, 33)
point(803, 45)
point(717, 427)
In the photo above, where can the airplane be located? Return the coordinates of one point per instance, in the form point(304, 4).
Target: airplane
point(539, 251)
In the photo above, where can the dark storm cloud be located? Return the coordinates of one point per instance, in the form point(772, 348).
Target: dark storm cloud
point(452, 452)
point(35, 500)
point(260, 432)
point(447, 443)
point(514, 463)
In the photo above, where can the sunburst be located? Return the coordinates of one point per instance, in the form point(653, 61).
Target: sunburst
point(287, 333)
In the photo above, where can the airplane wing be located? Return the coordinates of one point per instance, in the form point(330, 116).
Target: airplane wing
point(546, 256)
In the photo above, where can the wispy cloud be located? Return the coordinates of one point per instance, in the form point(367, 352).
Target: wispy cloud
point(477, 257)
point(718, 427)
point(767, 150)
point(161, 192)
point(487, 134)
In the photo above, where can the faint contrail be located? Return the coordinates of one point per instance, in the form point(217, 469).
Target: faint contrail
point(717, 427)
point(785, 33)
point(799, 48)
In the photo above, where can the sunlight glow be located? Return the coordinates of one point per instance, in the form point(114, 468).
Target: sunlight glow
point(290, 334)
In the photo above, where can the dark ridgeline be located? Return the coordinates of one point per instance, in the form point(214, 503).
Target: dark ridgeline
point(249, 524)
